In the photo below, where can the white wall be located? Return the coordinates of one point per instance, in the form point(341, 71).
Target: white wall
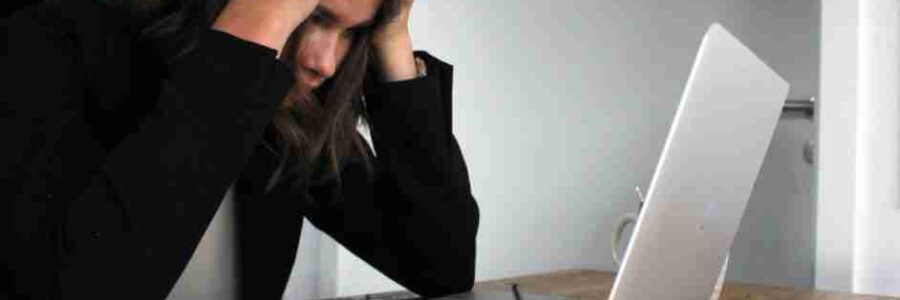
point(561, 108)
point(859, 207)
point(837, 146)
point(775, 243)
point(313, 274)
point(878, 216)
point(212, 271)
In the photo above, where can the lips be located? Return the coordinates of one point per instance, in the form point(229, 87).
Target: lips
point(309, 79)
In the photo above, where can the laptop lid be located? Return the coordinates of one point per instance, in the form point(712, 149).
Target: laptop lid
point(710, 160)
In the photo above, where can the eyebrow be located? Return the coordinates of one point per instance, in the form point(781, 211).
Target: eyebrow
point(331, 17)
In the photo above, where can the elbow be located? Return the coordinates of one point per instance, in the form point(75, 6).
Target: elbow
point(452, 263)
point(456, 287)
point(451, 272)
point(462, 267)
point(455, 277)
point(463, 279)
point(456, 273)
point(465, 282)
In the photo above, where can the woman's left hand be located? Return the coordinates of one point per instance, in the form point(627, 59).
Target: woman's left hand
point(393, 46)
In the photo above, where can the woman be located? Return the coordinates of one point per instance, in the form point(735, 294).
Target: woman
point(125, 128)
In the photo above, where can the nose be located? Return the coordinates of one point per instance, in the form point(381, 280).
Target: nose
point(319, 54)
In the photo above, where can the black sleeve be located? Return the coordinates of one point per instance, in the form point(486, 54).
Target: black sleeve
point(415, 220)
point(86, 222)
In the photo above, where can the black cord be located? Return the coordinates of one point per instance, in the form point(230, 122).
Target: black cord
point(515, 289)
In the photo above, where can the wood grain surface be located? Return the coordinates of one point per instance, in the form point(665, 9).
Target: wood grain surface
point(590, 284)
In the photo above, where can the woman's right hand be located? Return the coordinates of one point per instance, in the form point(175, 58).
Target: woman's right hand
point(265, 22)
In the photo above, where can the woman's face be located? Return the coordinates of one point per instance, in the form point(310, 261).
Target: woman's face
point(326, 37)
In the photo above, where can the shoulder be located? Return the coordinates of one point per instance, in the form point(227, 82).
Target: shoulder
point(83, 59)
point(69, 26)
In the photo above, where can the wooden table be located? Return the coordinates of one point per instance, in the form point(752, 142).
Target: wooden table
point(589, 284)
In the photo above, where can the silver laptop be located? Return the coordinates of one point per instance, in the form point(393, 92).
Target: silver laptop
point(711, 158)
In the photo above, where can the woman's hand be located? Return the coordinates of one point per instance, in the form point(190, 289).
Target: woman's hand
point(265, 22)
point(393, 46)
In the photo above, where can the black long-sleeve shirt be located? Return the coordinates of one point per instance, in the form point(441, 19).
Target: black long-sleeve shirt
point(113, 165)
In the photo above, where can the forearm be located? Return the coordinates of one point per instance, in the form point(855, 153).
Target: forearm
point(395, 60)
point(412, 124)
point(417, 221)
point(141, 205)
point(266, 22)
point(425, 244)
point(393, 47)
point(212, 112)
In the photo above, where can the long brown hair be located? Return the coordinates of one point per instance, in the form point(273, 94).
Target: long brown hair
point(317, 134)
point(313, 137)
point(317, 129)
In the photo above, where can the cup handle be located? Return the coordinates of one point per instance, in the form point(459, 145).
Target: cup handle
point(626, 220)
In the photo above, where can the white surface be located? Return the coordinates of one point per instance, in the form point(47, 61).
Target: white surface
point(313, 271)
point(878, 214)
point(710, 161)
point(561, 108)
point(775, 243)
point(211, 273)
point(837, 145)
point(858, 248)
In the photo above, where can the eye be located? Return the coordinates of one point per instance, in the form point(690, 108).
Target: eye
point(349, 34)
point(317, 18)
point(355, 32)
